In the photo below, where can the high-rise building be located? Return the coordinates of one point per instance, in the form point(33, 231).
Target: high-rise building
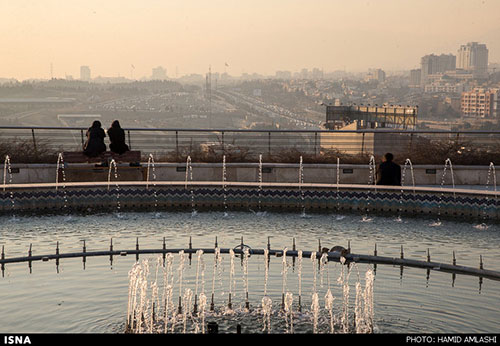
point(434, 64)
point(159, 73)
point(85, 73)
point(481, 103)
point(473, 57)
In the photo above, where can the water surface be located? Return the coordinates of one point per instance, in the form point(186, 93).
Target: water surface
point(92, 296)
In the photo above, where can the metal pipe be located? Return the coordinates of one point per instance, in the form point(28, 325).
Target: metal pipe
point(331, 256)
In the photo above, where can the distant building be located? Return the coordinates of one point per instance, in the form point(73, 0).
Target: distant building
point(159, 73)
point(473, 57)
point(283, 74)
point(481, 103)
point(85, 73)
point(415, 78)
point(376, 74)
point(371, 116)
point(434, 64)
point(379, 118)
point(493, 67)
point(453, 102)
point(440, 86)
point(317, 73)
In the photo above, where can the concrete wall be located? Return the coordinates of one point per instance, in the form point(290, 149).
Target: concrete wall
point(247, 172)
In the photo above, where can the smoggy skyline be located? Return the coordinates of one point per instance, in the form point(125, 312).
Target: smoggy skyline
point(130, 37)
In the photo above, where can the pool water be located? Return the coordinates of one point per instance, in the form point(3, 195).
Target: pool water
point(93, 296)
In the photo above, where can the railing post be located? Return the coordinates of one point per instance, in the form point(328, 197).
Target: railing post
point(363, 144)
point(315, 143)
point(129, 145)
point(269, 143)
point(222, 135)
point(177, 142)
point(81, 134)
point(34, 140)
point(411, 142)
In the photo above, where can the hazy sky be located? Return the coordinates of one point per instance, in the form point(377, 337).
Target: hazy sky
point(250, 36)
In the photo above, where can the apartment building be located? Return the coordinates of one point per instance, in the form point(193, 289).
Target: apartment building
point(481, 103)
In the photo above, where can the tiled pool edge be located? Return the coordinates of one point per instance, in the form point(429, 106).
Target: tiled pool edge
point(312, 197)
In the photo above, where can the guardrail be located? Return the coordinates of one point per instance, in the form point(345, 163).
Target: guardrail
point(182, 142)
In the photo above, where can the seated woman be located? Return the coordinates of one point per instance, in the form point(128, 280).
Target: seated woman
point(94, 146)
point(117, 138)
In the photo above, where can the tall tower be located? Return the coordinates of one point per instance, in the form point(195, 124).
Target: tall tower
point(85, 73)
point(473, 57)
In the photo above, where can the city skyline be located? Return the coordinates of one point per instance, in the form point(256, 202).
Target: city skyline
point(129, 38)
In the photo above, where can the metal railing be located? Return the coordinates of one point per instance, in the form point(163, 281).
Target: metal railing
point(253, 142)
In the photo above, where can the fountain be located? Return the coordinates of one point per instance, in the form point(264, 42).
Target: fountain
point(151, 163)
point(60, 165)
point(232, 282)
point(403, 176)
point(372, 181)
point(325, 307)
point(189, 176)
point(260, 187)
point(7, 168)
point(301, 182)
point(447, 164)
point(112, 164)
point(246, 255)
point(266, 301)
point(491, 173)
point(363, 312)
point(147, 313)
point(217, 265)
point(299, 275)
point(338, 217)
point(283, 278)
point(224, 186)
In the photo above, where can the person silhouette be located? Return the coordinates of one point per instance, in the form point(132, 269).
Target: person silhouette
point(389, 172)
point(94, 146)
point(117, 138)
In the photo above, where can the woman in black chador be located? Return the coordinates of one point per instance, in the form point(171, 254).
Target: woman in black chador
point(95, 140)
point(117, 138)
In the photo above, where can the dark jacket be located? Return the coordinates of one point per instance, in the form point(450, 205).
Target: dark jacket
point(389, 173)
point(117, 139)
point(95, 141)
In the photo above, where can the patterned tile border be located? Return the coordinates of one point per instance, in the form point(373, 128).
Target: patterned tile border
point(313, 197)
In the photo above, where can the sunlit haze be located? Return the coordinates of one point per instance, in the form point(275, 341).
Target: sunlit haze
point(130, 37)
